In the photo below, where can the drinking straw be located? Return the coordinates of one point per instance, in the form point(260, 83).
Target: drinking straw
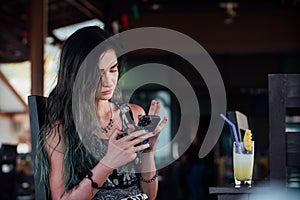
point(234, 132)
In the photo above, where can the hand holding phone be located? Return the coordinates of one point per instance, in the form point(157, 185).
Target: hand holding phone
point(148, 123)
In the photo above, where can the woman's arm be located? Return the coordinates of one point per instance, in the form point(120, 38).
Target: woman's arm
point(119, 153)
point(148, 179)
point(55, 150)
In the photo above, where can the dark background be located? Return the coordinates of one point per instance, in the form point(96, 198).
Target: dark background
point(261, 39)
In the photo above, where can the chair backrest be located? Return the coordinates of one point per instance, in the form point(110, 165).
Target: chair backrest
point(37, 107)
point(284, 104)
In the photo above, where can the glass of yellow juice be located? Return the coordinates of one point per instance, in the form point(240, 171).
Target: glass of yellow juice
point(243, 161)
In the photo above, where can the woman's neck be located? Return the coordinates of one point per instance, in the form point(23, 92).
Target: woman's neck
point(103, 107)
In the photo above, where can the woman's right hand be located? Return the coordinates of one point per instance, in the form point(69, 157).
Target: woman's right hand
point(124, 150)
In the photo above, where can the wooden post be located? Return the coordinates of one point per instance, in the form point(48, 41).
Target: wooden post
point(37, 33)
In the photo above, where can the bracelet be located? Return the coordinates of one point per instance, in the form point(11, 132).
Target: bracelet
point(149, 180)
point(93, 184)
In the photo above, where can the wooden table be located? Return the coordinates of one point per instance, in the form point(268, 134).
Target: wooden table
point(243, 193)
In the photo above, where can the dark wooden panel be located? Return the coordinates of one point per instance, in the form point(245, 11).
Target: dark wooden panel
point(284, 99)
point(293, 149)
point(293, 102)
point(233, 197)
point(293, 91)
point(232, 193)
point(233, 190)
point(293, 79)
point(277, 127)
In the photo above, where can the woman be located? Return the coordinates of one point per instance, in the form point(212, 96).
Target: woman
point(85, 150)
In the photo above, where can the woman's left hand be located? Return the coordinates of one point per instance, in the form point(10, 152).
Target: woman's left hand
point(155, 110)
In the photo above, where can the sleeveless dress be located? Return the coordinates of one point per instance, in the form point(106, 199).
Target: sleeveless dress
point(123, 182)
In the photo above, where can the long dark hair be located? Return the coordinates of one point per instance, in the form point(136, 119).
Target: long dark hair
point(59, 113)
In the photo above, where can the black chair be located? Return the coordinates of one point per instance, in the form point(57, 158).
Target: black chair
point(284, 127)
point(37, 107)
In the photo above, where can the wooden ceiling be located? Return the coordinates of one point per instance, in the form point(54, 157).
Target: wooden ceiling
point(256, 25)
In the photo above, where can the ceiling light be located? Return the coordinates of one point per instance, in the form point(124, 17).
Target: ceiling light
point(64, 32)
point(156, 6)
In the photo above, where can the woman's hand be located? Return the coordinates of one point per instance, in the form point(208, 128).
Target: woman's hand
point(155, 110)
point(124, 150)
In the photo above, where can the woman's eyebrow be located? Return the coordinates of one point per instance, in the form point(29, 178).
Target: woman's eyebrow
point(115, 65)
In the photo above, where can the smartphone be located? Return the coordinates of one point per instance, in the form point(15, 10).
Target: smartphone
point(146, 122)
point(149, 122)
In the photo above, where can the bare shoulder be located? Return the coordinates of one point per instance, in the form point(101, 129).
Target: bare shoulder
point(136, 109)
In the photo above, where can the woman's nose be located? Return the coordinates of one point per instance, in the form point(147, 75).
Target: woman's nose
point(106, 80)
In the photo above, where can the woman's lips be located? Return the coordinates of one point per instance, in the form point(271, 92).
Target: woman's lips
point(106, 92)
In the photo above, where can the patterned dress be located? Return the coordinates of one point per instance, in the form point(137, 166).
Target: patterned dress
point(123, 182)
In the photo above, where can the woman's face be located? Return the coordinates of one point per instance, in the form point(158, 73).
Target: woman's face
point(108, 65)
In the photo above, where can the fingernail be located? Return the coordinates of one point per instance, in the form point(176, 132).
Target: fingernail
point(154, 133)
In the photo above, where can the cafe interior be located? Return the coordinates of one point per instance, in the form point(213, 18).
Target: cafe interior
point(254, 47)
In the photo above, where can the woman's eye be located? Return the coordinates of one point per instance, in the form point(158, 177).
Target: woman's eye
point(114, 68)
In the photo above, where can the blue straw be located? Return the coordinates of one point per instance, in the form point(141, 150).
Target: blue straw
point(234, 132)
